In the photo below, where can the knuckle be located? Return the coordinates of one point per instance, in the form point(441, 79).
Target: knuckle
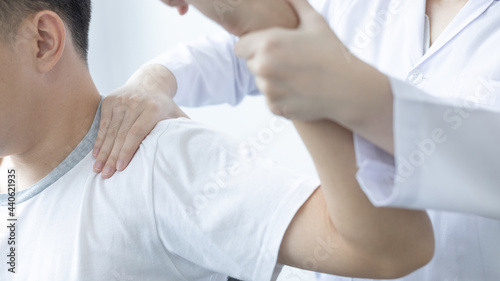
point(121, 136)
point(153, 106)
point(273, 41)
point(127, 151)
point(113, 131)
point(266, 87)
point(99, 140)
point(101, 135)
point(104, 125)
point(134, 101)
point(103, 155)
point(264, 69)
point(269, 45)
point(136, 132)
point(119, 109)
point(111, 160)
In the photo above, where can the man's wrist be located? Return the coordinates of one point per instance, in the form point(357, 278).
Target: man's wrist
point(357, 102)
point(244, 16)
point(366, 107)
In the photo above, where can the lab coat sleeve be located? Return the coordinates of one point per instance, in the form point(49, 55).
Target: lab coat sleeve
point(447, 154)
point(208, 72)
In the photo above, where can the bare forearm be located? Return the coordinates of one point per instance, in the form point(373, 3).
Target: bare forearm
point(378, 232)
point(367, 109)
point(242, 16)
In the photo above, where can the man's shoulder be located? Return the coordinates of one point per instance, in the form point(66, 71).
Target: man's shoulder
point(184, 129)
point(182, 139)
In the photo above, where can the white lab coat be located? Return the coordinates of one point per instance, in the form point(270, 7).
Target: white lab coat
point(447, 106)
point(446, 149)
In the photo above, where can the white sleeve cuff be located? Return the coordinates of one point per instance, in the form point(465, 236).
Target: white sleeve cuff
point(446, 155)
point(376, 172)
point(208, 72)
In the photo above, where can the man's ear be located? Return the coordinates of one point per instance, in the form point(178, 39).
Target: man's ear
point(49, 39)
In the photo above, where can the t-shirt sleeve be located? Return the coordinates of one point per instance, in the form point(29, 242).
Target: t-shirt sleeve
point(208, 72)
point(446, 153)
point(220, 206)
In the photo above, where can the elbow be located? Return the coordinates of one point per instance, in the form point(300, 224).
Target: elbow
point(408, 257)
point(398, 268)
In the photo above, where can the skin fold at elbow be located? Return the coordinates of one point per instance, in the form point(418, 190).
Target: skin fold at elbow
point(406, 254)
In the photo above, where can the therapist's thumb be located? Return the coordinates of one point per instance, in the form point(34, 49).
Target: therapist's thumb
point(304, 10)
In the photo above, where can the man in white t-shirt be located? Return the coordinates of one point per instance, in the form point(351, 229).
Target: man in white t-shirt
point(193, 205)
point(395, 37)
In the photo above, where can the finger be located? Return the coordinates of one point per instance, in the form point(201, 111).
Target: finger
point(137, 133)
point(262, 85)
point(106, 113)
point(273, 89)
point(248, 44)
point(266, 65)
point(285, 110)
point(259, 67)
point(109, 139)
point(183, 9)
point(111, 163)
point(303, 9)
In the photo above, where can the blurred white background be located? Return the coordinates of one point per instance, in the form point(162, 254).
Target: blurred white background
point(127, 33)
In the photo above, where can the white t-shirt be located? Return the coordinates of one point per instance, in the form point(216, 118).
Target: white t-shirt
point(192, 205)
point(389, 34)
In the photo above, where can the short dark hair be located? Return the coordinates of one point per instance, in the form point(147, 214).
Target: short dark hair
point(75, 13)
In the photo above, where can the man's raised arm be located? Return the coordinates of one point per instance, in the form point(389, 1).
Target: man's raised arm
point(338, 230)
point(242, 16)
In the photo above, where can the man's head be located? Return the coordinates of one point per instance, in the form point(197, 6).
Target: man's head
point(75, 14)
point(43, 69)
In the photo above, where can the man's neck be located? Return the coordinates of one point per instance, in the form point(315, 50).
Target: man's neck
point(62, 132)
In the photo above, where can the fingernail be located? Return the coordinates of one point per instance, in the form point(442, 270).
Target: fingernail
point(107, 171)
point(120, 165)
point(98, 167)
point(95, 152)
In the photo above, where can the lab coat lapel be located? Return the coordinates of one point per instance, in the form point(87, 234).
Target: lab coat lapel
point(414, 24)
point(471, 11)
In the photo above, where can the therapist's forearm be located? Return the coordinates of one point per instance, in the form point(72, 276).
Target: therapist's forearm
point(367, 109)
point(242, 16)
point(375, 232)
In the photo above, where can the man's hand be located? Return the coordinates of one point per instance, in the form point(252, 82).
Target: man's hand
point(130, 113)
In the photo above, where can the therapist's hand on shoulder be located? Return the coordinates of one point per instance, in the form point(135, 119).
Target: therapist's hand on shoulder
point(130, 113)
